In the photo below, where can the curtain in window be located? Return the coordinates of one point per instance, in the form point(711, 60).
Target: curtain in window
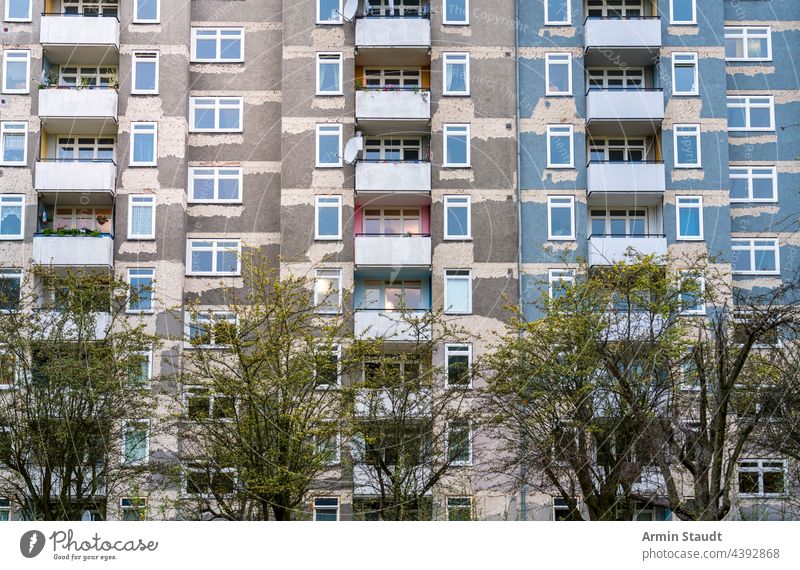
point(455, 77)
point(143, 148)
point(13, 147)
point(10, 220)
point(329, 77)
point(142, 220)
point(15, 74)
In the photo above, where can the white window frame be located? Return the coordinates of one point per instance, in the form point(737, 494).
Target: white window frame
point(140, 200)
point(129, 276)
point(5, 507)
point(318, 203)
point(218, 40)
point(18, 201)
point(468, 279)
point(327, 129)
point(125, 428)
point(697, 276)
point(217, 105)
point(548, 60)
point(28, 18)
point(214, 249)
point(15, 365)
point(675, 136)
point(760, 469)
point(561, 131)
point(672, 19)
point(314, 508)
point(13, 128)
point(737, 244)
point(338, 459)
point(743, 32)
point(462, 129)
point(559, 276)
point(460, 498)
point(148, 354)
point(337, 349)
point(560, 201)
point(333, 273)
point(137, 20)
point(688, 202)
point(464, 22)
point(750, 176)
point(684, 59)
point(469, 461)
point(321, 56)
point(748, 105)
point(15, 56)
point(136, 505)
point(136, 57)
point(457, 201)
point(216, 175)
point(339, 21)
point(457, 349)
point(462, 58)
point(549, 22)
point(208, 318)
point(144, 125)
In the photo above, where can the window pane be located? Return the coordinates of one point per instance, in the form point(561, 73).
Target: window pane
point(684, 79)
point(146, 9)
point(202, 261)
point(457, 220)
point(682, 10)
point(10, 220)
point(16, 73)
point(748, 482)
point(760, 117)
point(329, 76)
point(557, 11)
point(739, 189)
point(560, 221)
point(231, 48)
point(206, 49)
point(456, 77)
point(457, 369)
point(765, 260)
point(328, 10)
point(560, 151)
point(145, 75)
point(329, 149)
point(689, 221)
point(143, 147)
point(13, 147)
point(229, 118)
point(741, 260)
point(762, 189)
point(18, 9)
point(773, 482)
point(687, 150)
point(737, 117)
point(456, 10)
point(558, 75)
point(456, 149)
point(458, 295)
point(328, 219)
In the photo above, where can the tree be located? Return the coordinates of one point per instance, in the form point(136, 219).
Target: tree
point(74, 413)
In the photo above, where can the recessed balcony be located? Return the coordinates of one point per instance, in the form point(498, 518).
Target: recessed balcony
point(79, 111)
point(74, 250)
point(68, 177)
point(637, 177)
point(393, 110)
point(78, 38)
point(628, 41)
point(624, 111)
point(393, 176)
point(608, 250)
point(391, 325)
point(382, 250)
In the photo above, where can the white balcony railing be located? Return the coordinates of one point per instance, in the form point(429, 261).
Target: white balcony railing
point(95, 326)
point(81, 251)
point(390, 325)
point(74, 30)
point(625, 105)
point(607, 250)
point(392, 32)
point(84, 103)
point(394, 250)
point(622, 177)
point(387, 176)
point(405, 104)
point(75, 176)
point(623, 34)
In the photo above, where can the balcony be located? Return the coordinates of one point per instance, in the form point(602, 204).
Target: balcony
point(84, 111)
point(54, 323)
point(389, 176)
point(632, 324)
point(387, 110)
point(637, 177)
point(84, 39)
point(368, 481)
point(608, 250)
point(390, 325)
point(73, 250)
point(393, 250)
point(624, 111)
point(76, 177)
point(401, 40)
point(616, 41)
point(377, 402)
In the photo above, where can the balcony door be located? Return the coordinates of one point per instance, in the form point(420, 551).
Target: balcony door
point(393, 78)
point(618, 150)
point(615, 8)
point(391, 149)
point(619, 222)
point(387, 295)
point(392, 221)
point(393, 7)
point(88, 219)
point(85, 149)
point(91, 7)
point(615, 78)
point(87, 76)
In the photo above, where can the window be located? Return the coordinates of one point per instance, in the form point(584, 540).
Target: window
point(133, 508)
point(200, 403)
point(687, 146)
point(85, 148)
point(215, 184)
point(693, 288)
point(326, 509)
point(329, 73)
point(12, 221)
point(620, 222)
point(146, 11)
point(392, 221)
point(615, 78)
point(762, 477)
point(214, 256)
point(559, 146)
point(8, 370)
point(329, 11)
point(683, 12)
point(459, 508)
point(561, 510)
point(457, 217)
point(141, 217)
point(561, 217)
point(388, 77)
point(210, 45)
point(458, 365)
point(328, 445)
point(328, 290)
point(388, 295)
point(6, 445)
point(557, 12)
point(89, 76)
point(328, 222)
point(689, 217)
point(329, 146)
point(135, 442)
point(141, 369)
point(215, 114)
point(18, 11)
point(393, 149)
point(16, 71)
point(144, 144)
point(753, 184)
point(751, 113)
point(201, 479)
point(558, 281)
point(684, 74)
point(558, 73)
point(456, 12)
point(618, 150)
point(459, 443)
point(10, 289)
point(614, 8)
point(5, 506)
point(456, 73)
point(15, 143)
point(211, 330)
point(91, 8)
point(140, 281)
point(748, 43)
point(145, 73)
point(457, 291)
point(327, 366)
point(756, 256)
point(456, 145)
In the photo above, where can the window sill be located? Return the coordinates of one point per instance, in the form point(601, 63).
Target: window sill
point(11, 238)
point(215, 202)
point(202, 61)
point(238, 274)
point(455, 94)
point(328, 94)
point(144, 313)
point(463, 166)
point(757, 273)
point(19, 164)
point(457, 238)
point(558, 167)
point(328, 166)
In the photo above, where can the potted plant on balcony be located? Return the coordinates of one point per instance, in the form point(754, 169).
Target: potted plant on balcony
point(101, 219)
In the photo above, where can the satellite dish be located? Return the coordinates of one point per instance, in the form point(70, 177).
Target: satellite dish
point(349, 9)
point(352, 148)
